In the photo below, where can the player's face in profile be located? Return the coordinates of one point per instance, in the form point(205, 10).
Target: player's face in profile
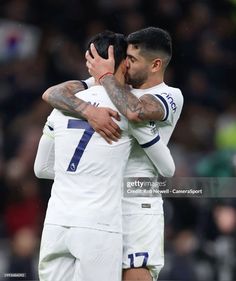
point(137, 67)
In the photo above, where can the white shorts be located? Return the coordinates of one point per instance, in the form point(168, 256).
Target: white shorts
point(143, 242)
point(83, 254)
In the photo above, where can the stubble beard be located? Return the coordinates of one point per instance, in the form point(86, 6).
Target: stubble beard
point(137, 80)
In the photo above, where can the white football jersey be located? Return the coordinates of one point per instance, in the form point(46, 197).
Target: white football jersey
point(139, 165)
point(88, 171)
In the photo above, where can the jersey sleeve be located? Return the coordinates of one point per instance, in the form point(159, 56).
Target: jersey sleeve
point(149, 139)
point(48, 129)
point(44, 161)
point(146, 133)
point(161, 158)
point(89, 82)
point(172, 104)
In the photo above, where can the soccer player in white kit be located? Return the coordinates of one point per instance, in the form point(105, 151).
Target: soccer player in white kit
point(148, 54)
point(81, 239)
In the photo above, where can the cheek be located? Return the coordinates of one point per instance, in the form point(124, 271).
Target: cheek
point(137, 70)
point(133, 68)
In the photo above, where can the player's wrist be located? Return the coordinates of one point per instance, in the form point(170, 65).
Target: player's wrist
point(89, 112)
point(104, 75)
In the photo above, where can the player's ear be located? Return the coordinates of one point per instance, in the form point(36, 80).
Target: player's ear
point(156, 65)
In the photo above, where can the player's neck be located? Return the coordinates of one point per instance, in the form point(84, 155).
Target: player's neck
point(152, 81)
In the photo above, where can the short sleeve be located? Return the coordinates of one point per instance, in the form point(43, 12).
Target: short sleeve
point(172, 103)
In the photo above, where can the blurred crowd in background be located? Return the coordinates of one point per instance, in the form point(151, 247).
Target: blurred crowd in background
point(42, 43)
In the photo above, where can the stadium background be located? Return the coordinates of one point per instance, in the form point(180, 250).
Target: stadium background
point(42, 43)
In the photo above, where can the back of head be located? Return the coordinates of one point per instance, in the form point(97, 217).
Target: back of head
point(104, 39)
point(152, 42)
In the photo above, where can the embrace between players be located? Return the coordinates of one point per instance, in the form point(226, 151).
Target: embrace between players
point(117, 124)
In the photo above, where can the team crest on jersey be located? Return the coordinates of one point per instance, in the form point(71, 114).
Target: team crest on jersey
point(154, 128)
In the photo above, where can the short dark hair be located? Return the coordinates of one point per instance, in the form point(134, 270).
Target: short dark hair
point(152, 40)
point(104, 39)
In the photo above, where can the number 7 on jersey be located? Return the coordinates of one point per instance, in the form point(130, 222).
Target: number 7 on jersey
point(89, 131)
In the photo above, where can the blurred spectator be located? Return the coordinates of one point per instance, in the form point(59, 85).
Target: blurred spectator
point(23, 257)
point(225, 136)
point(24, 207)
point(17, 41)
point(181, 264)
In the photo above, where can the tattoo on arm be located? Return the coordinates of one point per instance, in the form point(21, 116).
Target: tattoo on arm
point(63, 97)
point(145, 108)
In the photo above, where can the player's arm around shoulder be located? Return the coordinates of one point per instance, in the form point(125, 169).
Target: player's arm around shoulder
point(133, 108)
point(62, 97)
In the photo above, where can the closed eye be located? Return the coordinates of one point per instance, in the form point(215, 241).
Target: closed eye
point(131, 58)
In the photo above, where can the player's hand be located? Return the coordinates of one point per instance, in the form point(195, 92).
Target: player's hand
point(100, 119)
point(98, 66)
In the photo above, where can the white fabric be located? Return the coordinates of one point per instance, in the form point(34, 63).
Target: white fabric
point(143, 241)
point(90, 82)
point(44, 162)
point(79, 254)
point(139, 165)
point(87, 195)
point(95, 184)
